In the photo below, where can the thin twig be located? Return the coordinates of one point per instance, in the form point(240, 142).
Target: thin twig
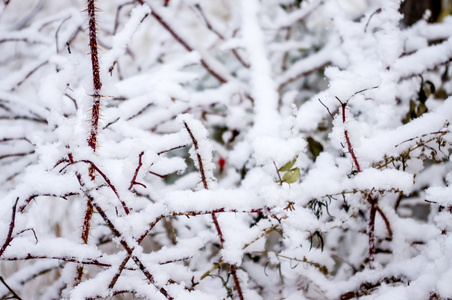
point(16, 154)
point(57, 31)
point(385, 219)
point(30, 73)
point(329, 112)
point(9, 237)
point(107, 180)
point(23, 206)
point(220, 36)
point(184, 43)
point(9, 289)
point(279, 175)
point(134, 179)
point(200, 163)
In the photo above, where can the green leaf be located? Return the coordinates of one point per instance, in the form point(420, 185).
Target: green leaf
point(288, 165)
point(314, 147)
point(421, 109)
point(291, 176)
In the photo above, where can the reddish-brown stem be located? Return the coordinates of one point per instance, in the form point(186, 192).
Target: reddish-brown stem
point(9, 237)
point(118, 10)
point(85, 234)
point(134, 179)
point(347, 138)
point(118, 235)
point(304, 73)
point(126, 260)
point(371, 230)
point(174, 148)
point(32, 197)
point(191, 213)
point(95, 110)
point(86, 225)
point(214, 217)
point(184, 43)
point(220, 36)
point(236, 281)
point(200, 163)
point(351, 151)
point(385, 219)
point(218, 228)
point(373, 202)
point(91, 9)
point(95, 113)
point(107, 180)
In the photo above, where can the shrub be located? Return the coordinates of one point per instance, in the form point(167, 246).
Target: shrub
point(223, 149)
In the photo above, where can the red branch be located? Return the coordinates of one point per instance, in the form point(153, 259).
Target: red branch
point(32, 197)
point(200, 163)
point(184, 43)
point(385, 219)
point(121, 240)
point(107, 180)
point(214, 217)
point(134, 179)
point(95, 110)
point(347, 138)
point(374, 208)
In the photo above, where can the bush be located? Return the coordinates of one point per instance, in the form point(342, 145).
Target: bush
point(224, 149)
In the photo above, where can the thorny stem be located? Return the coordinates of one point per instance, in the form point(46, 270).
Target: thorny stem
point(85, 228)
point(95, 110)
point(85, 235)
point(214, 217)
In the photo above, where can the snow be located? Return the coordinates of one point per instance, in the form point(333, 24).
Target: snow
point(206, 103)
